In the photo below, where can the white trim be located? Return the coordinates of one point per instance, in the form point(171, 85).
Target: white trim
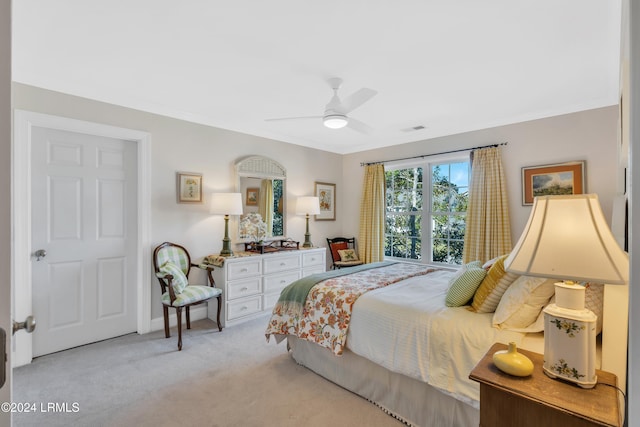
point(24, 121)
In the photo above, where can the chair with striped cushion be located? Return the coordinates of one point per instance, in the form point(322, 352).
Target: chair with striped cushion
point(172, 265)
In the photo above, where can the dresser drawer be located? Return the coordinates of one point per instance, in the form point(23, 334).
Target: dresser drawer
point(240, 270)
point(312, 270)
point(244, 307)
point(312, 259)
point(281, 263)
point(270, 301)
point(277, 282)
point(243, 288)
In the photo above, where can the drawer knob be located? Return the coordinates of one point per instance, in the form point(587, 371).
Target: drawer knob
point(244, 270)
point(243, 289)
point(244, 307)
point(283, 281)
point(282, 264)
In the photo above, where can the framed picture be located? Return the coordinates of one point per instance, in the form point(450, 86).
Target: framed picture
point(550, 180)
point(252, 196)
point(327, 194)
point(189, 187)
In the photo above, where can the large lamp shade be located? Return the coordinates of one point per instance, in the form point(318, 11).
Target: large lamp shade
point(567, 237)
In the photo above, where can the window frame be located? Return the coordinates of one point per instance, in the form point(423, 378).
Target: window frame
point(426, 213)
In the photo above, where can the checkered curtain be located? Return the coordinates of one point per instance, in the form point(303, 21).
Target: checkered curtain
point(372, 214)
point(265, 203)
point(488, 232)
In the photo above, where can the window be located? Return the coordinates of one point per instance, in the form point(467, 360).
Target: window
point(437, 206)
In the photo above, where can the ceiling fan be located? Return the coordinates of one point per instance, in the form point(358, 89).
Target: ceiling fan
point(336, 111)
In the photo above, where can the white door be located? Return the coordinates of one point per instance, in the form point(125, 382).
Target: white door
point(84, 216)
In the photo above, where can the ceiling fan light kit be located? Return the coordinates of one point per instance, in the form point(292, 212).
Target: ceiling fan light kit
point(336, 111)
point(335, 121)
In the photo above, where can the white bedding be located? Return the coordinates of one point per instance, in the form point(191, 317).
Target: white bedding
point(407, 329)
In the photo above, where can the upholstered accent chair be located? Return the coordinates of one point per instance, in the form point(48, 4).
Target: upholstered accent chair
point(172, 265)
point(344, 252)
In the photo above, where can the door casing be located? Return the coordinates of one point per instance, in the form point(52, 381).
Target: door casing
point(21, 211)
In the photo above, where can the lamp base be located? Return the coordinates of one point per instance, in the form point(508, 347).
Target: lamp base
point(307, 236)
point(226, 241)
point(570, 343)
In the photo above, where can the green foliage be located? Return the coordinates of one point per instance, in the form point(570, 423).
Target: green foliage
point(278, 217)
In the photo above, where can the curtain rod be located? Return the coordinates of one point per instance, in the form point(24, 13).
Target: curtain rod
point(434, 154)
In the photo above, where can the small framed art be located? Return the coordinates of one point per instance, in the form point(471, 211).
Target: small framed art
point(550, 180)
point(326, 193)
point(189, 187)
point(252, 196)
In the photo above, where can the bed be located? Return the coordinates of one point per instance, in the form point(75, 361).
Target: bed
point(399, 345)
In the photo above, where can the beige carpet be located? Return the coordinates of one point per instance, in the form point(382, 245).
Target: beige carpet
point(228, 378)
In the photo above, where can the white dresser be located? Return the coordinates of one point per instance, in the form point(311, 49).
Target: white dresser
point(251, 285)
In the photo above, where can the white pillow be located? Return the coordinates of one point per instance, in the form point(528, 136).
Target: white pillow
point(522, 303)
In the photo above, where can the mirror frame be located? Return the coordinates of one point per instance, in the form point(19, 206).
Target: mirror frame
point(261, 167)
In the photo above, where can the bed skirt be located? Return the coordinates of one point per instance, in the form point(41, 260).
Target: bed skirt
point(409, 400)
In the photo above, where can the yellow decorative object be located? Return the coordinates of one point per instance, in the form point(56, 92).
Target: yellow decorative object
point(512, 362)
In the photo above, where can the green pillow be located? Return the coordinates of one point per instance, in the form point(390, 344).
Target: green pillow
point(463, 285)
point(179, 281)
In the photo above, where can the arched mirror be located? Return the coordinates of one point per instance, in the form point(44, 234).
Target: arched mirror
point(261, 181)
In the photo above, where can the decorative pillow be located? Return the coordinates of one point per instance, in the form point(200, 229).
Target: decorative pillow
point(538, 325)
point(463, 285)
point(473, 264)
point(487, 265)
point(594, 300)
point(179, 281)
point(347, 255)
point(522, 302)
point(335, 247)
point(492, 288)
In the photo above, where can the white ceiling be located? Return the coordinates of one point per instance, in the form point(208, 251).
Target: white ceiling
point(451, 66)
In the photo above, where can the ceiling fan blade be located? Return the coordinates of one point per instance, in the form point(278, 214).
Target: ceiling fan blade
point(356, 99)
point(293, 118)
point(358, 126)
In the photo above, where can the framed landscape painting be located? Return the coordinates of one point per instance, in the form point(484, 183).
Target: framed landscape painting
point(326, 193)
point(550, 180)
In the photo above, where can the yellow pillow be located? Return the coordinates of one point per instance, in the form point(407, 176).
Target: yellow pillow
point(488, 295)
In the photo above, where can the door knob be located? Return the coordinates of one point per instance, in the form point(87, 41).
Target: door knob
point(28, 325)
point(40, 253)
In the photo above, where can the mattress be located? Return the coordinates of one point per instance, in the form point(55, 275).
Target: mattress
point(407, 329)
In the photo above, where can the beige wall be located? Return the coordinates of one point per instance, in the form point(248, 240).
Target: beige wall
point(589, 135)
point(182, 146)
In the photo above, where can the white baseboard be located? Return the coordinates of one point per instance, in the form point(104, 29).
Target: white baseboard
point(197, 313)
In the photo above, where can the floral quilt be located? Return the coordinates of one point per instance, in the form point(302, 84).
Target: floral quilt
point(327, 310)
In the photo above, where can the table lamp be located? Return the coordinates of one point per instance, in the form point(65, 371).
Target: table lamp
point(567, 238)
point(307, 205)
point(226, 204)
